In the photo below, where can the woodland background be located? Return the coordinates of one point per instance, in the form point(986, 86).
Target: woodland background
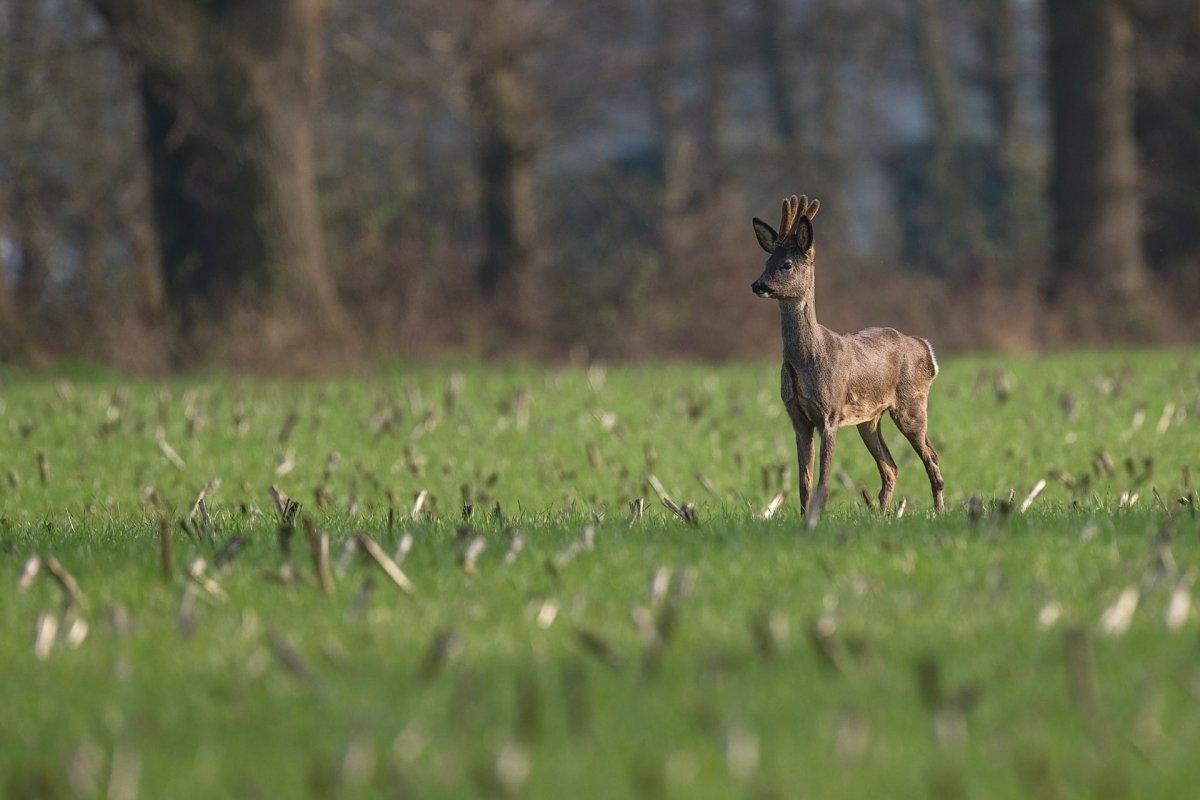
point(290, 184)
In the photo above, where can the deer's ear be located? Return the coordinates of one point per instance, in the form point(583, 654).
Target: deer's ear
point(766, 235)
point(804, 233)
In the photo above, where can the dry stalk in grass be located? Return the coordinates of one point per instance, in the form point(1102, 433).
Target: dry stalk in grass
point(119, 621)
point(585, 541)
point(165, 550)
point(318, 547)
point(773, 506)
point(649, 454)
point(285, 507)
point(29, 572)
point(1127, 499)
point(741, 753)
point(198, 505)
point(547, 613)
point(288, 656)
point(528, 723)
point(1102, 464)
point(471, 554)
point(77, 631)
point(768, 630)
point(974, 510)
point(229, 551)
point(686, 512)
point(504, 774)
point(598, 647)
point(515, 545)
point(637, 508)
point(419, 503)
point(1037, 489)
point(576, 700)
point(900, 509)
point(660, 582)
point(1164, 421)
point(44, 633)
point(389, 567)
point(187, 615)
point(658, 488)
point(124, 774)
point(403, 548)
point(1049, 616)
point(707, 485)
point(1081, 678)
point(852, 734)
point(643, 620)
point(823, 635)
point(443, 648)
point(287, 463)
point(593, 454)
point(197, 570)
point(279, 498)
point(66, 581)
point(289, 422)
point(349, 548)
point(169, 453)
point(1180, 605)
point(1116, 619)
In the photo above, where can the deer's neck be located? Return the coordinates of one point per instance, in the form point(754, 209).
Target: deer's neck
point(801, 333)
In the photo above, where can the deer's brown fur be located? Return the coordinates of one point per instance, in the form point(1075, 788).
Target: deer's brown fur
point(830, 380)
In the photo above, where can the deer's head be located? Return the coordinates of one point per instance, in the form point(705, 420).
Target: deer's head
point(788, 274)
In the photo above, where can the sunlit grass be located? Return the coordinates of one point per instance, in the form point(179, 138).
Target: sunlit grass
point(870, 657)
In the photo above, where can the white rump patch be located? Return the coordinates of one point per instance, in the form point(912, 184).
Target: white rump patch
point(932, 357)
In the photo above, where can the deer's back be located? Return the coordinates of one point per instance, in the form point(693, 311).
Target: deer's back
point(877, 369)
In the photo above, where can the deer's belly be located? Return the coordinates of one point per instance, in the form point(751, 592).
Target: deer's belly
point(857, 411)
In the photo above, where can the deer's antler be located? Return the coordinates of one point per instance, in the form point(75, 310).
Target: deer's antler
point(796, 209)
point(791, 212)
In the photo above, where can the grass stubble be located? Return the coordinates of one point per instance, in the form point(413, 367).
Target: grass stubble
point(527, 624)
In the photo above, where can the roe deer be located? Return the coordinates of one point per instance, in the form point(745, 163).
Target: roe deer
point(829, 380)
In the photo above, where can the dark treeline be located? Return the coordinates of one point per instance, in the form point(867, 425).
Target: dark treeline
point(268, 181)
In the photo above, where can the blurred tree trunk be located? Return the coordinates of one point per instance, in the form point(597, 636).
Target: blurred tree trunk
point(712, 97)
point(23, 83)
point(1001, 81)
point(832, 167)
point(1098, 227)
point(500, 105)
point(774, 46)
point(671, 147)
point(951, 204)
point(229, 91)
point(14, 343)
point(1167, 126)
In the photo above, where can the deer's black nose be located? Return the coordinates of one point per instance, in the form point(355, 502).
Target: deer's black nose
point(757, 287)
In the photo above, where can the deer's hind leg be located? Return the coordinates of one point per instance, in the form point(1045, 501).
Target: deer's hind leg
point(872, 437)
point(911, 417)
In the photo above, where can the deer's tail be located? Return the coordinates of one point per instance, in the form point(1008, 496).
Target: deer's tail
point(933, 365)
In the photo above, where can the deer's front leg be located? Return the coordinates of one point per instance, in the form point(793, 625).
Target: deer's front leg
point(804, 452)
point(828, 439)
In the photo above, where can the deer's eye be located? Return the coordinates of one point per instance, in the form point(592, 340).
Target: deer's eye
point(788, 265)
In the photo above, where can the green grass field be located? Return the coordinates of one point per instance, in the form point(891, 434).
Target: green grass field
point(989, 652)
